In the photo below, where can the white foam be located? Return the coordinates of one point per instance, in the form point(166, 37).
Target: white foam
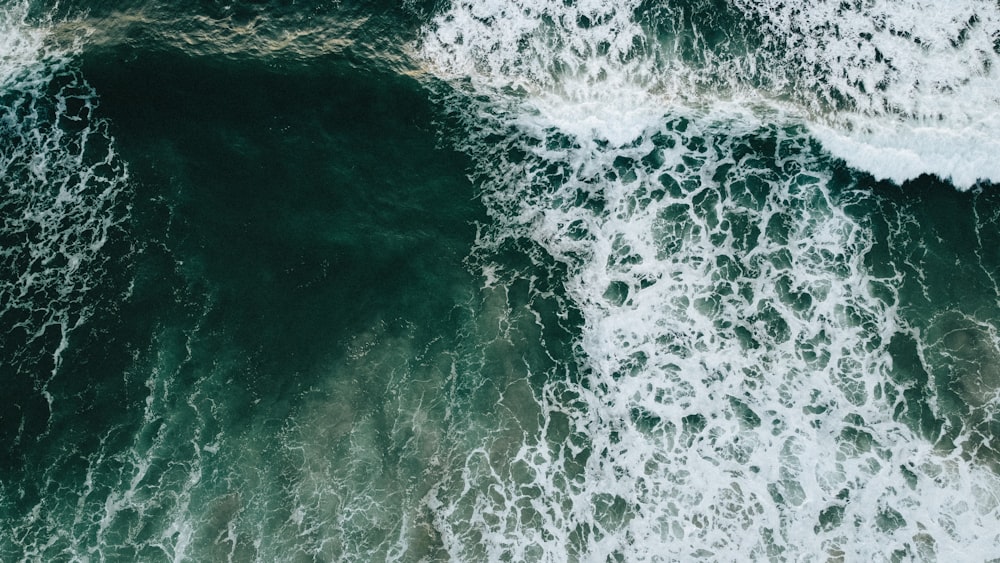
point(617, 112)
point(883, 86)
point(735, 346)
point(21, 47)
point(63, 192)
point(66, 184)
point(918, 79)
point(524, 44)
point(903, 151)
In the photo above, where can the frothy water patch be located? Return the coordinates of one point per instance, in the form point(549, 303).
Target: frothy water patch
point(882, 85)
point(530, 45)
point(912, 85)
point(64, 199)
point(64, 194)
point(962, 154)
point(616, 113)
point(336, 470)
point(736, 399)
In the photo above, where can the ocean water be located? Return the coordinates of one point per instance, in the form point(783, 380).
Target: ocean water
point(499, 280)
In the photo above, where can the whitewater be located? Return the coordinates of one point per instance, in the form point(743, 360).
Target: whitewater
point(500, 280)
point(738, 399)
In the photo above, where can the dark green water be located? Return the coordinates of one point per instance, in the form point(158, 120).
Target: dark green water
point(424, 282)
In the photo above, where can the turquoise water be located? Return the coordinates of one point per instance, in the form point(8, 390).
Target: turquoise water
point(499, 281)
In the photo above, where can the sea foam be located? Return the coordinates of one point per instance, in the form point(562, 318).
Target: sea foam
point(895, 88)
point(64, 188)
point(736, 399)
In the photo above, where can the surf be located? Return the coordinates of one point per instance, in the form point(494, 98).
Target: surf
point(737, 395)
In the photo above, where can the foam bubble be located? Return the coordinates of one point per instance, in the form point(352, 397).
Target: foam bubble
point(64, 193)
point(903, 151)
point(63, 199)
point(895, 88)
point(887, 89)
point(736, 398)
point(883, 86)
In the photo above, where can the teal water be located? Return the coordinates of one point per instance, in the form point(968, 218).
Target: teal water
point(500, 281)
